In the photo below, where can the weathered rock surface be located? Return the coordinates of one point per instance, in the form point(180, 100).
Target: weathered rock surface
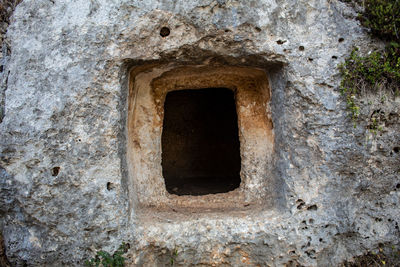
point(64, 188)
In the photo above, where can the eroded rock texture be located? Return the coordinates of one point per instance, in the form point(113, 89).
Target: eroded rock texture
point(65, 186)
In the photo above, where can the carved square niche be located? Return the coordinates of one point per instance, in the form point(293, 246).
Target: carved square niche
point(199, 136)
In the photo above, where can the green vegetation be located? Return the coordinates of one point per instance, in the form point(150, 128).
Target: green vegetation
point(379, 70)
point(374, 72)
point(173, 256)
point(382, 17)
point(105, 259)
point(385, 256)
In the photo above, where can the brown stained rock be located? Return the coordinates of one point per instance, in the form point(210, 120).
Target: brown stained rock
point(3, 257)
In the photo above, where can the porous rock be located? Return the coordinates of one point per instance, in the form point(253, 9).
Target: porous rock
point(65, 188)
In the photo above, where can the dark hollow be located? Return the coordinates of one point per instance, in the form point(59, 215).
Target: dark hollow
point(200, 142)
point(164, 32)
point(55, 171)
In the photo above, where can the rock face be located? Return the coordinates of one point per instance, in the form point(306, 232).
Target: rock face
point(72, 176)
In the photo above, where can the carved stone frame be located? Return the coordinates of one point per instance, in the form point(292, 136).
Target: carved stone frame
point(148, 86)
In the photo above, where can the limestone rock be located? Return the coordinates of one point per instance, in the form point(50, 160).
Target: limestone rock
point(67, 190)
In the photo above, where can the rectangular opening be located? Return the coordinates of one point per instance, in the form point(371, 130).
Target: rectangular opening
point(200, 138)
point(200, 142)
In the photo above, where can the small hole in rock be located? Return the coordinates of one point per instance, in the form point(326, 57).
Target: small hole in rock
point(1, 68)
point(311, 221)
point(227, 30)
point(310, 253)
point(301, 48)
point(320, 240)
point(280, 42)
point(334, 57)
point(55, 171)
point(310, 59)
point(111, 232)
point(396, 149)
point(110, 186)
point(398, 186)
point(300, 203)
point(313, 207)
point(341, 40)
point(164, 32)
point(257, 29)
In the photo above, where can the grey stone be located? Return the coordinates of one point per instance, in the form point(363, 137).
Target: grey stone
point(65, 92)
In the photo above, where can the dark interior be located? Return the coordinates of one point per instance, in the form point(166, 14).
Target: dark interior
point(200, 142)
